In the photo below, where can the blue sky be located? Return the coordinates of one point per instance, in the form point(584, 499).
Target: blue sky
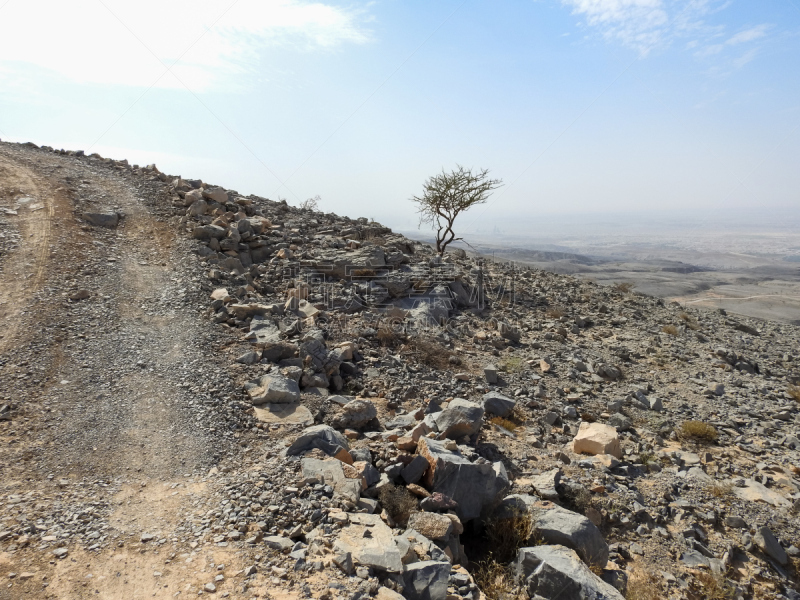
point(580, 106)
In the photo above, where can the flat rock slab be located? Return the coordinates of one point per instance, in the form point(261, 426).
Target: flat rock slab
point(370, 543)
point(756, 492)
point(284, 414)
point(597, 438)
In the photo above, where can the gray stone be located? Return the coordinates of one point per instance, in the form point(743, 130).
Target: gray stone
point(545, 484)
point(498, 404)
point(433, 526)
point(278, 542)
point(620, 421)
point(559, 526)
point(769, 545)
point(490, 372)
point(370, 543)
point(323, 437)
point(331, 472)
point(207, 232)
point(556, 572)
point(356, 414)
point(273, 389)
point(414, 470)
point(475, 487)
point(735, 522)
point(460, 418)
point(426, 580)
point(107, 220)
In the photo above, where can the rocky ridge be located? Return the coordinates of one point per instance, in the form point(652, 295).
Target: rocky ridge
point(373, 409)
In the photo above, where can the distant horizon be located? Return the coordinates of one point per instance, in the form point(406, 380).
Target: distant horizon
point(578, 106)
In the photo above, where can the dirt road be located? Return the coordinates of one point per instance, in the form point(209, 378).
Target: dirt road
point(112, 385)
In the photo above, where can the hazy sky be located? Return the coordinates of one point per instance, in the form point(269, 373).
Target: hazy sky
point(578, 105)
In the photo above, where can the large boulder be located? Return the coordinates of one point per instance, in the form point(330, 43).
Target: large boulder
point(556, 572)
point(475, 487)
point(360, 263)
point(559, 526)
point(460, 418)
point(370, 543)
point(356, 414)
point(597, 438)
point(426, 580)
point(322, 437)
point(332, 473)
point(498, 404)
point(273, 389)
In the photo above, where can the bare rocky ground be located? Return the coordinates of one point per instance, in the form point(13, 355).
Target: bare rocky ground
point(209, 394)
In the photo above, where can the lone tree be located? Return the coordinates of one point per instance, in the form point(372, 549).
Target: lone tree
point(447, 195)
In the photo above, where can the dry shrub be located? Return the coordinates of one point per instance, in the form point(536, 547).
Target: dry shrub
point(689, 320)
point(363, 273)
point(497, 581)
point(642, 585)
point(625, 287)
point(720, 489)
point(512, 364)
point(504, 423)
point(715, 587)
point(794, 392)
point(670, 329)
point(398, 502)
point(555, 312)
point(387, 336)
point(509, 534)
point(698, 432)
point(430, 352)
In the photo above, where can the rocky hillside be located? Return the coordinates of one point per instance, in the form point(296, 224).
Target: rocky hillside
point(209, 393)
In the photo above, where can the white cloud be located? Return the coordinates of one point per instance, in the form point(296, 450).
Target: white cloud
point(645, 25)
point(122, 42)
point(749, 35)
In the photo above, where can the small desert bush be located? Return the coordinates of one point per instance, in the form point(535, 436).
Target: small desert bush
point(794, 392)
point(363, 273)
point(512, 364)
point(642, 585)
point(670, 329)
point(398, 502)
point(720, 489)
point(507, 535)
point(715, 587)
point(555, 312)
point(504, 423)
point(698, 432)
point(387, 336)
point(430, 352)
point(497, 582)
point(624, 287)
point(689, 321)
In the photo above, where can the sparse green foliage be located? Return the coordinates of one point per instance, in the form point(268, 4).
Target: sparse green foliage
point(447, 195)
point(512, 364)
point(698, 432)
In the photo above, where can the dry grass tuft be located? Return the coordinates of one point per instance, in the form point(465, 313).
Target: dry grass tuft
point(363, 273)
point(431, 353)
point(625, 287)
point(387, 336)
point(715, 587)
point(698, 432)
point(720, 489)
point(512, 364)
point(398, 502)
point(497, 581)
point(670, 329)
point(506, 536)
point(555, 312)
point(794, 392)
point(642, 585)
point(689, 320)
point(504, 423)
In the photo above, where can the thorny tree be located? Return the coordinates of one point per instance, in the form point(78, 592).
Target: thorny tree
point(447, 195)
